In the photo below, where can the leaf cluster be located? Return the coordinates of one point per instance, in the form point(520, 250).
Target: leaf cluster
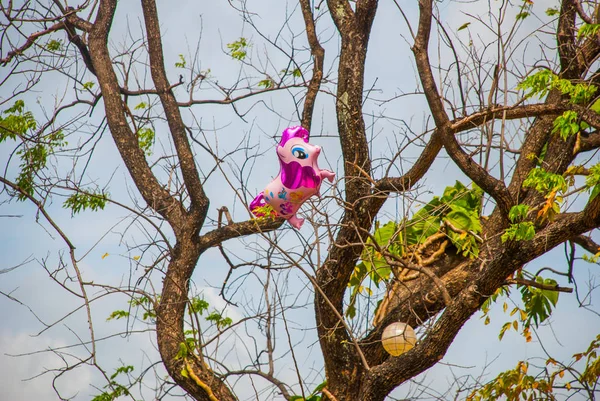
point(543, 81)
point(592, 364)
point(588, 30)
point(54, 45)
point(198, 305)
point(519, 230)
point(83, 201)
point(538, 302)
point(458, 207)
point(566, 124)
point(144, 302)
point(238, 49)
point(16, 122)
point(514, 384)
point(146, 140)
point(117, 389)
point(592, 181)
point(316, 395)
point(537, 305)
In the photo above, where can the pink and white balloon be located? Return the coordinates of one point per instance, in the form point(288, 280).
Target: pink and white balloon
point(397, 338)
point(299, 177)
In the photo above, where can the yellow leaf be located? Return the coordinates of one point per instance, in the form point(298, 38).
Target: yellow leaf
point(505, 307)
point(573, 170)
point(136, 258)
point(487, 320)
point(523, 315)
point(535, 385)
point(561, 374)
point(544, 212)
point(105, 255)
point(516, 325)
point(568, 386)
point(524, 368)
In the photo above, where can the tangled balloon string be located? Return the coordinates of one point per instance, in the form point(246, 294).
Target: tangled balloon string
point(299, 178)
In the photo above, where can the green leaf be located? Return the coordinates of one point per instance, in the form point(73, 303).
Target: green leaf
point(505, 326)
point(146, 139)
point(88, 85)
point(181, 63)
point(118, 314)
point(523, 231)
point(541, 82)
point(351, 310)
point(552, 296)
point(545, 182)
point(360, 272)
point(566, 124)
point(462, 219)
point(182, 352)
point(54, 45)
point(551, 12)
point(83, 201)
point(266, 83)
point(463, 26)
point(518, 213)
point(320, 387)
point(123, 369)
point(596, 106)
point(595, 192)
point(422, 227)
point(198, 305)
point(588, 30)
point(16, 121)
point(385, 234)
point(538, 303)
point(218, 319)
point(522, 16)
point(238, 49)
point(592, 181)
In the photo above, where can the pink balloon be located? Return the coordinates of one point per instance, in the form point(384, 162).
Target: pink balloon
point(299, 177)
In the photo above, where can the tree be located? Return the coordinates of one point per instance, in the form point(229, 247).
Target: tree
point(519, 126)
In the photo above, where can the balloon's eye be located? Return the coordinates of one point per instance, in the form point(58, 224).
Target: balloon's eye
point(299, 153)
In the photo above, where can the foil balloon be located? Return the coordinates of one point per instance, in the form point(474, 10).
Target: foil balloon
point(299, 178)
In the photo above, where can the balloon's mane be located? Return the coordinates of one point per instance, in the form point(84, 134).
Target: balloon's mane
point(294, 132)
point(293, 174)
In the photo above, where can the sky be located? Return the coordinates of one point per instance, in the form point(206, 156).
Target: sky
point(29, 242)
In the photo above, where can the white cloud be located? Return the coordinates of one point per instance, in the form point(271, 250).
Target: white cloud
point(16, 370)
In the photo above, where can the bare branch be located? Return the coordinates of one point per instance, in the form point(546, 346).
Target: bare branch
point(533, 283)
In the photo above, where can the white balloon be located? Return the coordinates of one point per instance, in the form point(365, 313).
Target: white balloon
point(398, 338)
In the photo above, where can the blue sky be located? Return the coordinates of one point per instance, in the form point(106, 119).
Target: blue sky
point(390, 71)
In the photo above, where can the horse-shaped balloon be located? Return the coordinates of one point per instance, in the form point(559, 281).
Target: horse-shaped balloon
point(299, 177)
